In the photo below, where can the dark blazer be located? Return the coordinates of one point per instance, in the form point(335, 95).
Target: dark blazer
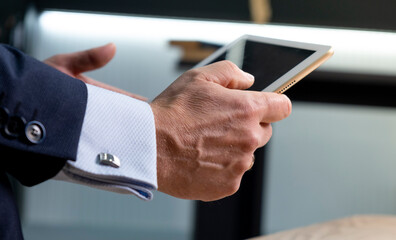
point(41, 115)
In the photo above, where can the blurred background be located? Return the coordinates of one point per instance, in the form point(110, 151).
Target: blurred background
point(333, 157)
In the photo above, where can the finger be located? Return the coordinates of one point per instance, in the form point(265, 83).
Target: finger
point(228, 75)
point(91, 59)
point(91, 81)
point(273, 107)
point(265, 131)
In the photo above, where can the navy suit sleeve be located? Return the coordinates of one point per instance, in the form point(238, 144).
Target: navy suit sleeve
point(32, 92)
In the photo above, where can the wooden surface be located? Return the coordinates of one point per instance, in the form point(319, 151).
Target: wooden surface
point(353, 228)
point(194, 51)
point(260, 11)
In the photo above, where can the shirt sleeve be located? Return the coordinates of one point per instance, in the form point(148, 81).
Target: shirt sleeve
point(123, 127)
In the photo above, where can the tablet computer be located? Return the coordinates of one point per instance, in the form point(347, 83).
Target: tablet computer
point(276, 64)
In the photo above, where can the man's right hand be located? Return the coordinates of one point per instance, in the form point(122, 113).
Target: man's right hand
point(208, 129)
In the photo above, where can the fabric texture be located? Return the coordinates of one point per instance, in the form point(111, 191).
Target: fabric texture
point(124, 127)
point(33, 91)
point(36, 92)
point(9, 221)
point(113, 123)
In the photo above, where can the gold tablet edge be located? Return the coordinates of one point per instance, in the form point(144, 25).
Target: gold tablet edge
point(305, 72)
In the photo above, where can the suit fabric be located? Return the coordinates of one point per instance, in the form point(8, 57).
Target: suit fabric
point(31, 91)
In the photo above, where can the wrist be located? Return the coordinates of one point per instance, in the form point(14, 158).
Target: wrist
point(174, 152)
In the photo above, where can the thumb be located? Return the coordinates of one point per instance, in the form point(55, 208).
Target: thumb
point(90, 59)
point(228, 75)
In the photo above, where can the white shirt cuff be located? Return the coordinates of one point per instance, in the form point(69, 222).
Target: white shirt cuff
point(121, 126)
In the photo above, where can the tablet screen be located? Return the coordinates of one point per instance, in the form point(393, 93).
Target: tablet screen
point(267, 62)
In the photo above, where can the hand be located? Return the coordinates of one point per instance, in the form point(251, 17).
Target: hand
point(207, 130)
point(74, 64)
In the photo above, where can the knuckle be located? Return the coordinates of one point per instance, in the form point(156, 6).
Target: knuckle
point(242, 166)
point(239, 167)
point(232, 187)
point(200, 75)
point(194, 73)
point(247, 107)
point(208, 199)
point(269, 131)
point(266, 103)
point(267, 134)
point(251, 141)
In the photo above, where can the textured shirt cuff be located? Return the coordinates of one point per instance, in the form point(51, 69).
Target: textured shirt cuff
point(124, 127)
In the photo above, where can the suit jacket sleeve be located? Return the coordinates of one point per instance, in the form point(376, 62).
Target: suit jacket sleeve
point(31, 91)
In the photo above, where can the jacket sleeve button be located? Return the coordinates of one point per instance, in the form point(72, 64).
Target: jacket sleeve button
point(15, 126)
point(4, 115)
point(35, 132)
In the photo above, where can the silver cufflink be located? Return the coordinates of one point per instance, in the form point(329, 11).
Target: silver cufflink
point(109, 159)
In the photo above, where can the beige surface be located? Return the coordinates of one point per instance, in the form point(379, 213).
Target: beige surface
point(353, 228)
point(260, 10)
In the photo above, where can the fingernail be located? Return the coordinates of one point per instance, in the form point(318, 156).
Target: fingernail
point(112, 45)
point(250, 76)
point(287, 98)
point(289, 105)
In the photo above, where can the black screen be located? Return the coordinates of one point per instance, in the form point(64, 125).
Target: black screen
point(266, 62)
